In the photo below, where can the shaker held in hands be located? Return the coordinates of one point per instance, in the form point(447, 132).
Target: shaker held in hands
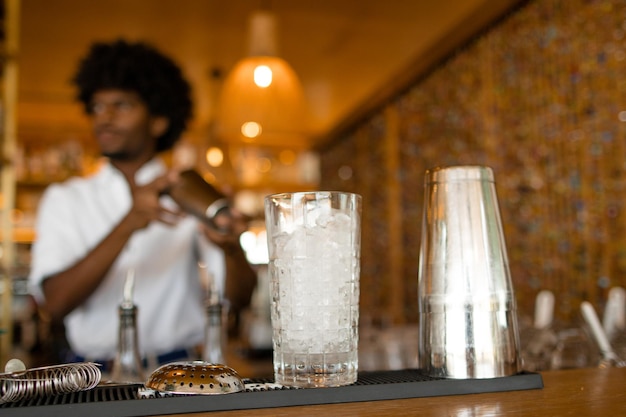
point(314, 241)
point(468, 318)
point(199, 198)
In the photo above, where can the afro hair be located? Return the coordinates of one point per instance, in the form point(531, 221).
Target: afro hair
point(140, 68)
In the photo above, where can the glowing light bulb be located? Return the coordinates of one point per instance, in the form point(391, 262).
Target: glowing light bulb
point(214, 156)
point(263, 76)
point(251, 129)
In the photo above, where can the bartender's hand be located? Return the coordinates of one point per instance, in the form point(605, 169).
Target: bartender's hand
point(229, 227)
point(146, 205)
point(240, 277)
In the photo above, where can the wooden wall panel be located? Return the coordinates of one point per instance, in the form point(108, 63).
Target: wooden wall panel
point(540, 97)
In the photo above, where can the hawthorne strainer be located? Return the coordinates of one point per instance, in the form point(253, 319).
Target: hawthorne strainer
point(46, 381)
point(195, 377)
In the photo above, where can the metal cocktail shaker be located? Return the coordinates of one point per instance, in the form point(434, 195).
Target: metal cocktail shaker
point(199, 198)
point(468, 318)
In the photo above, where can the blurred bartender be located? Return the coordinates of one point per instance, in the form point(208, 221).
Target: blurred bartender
point(92, 231)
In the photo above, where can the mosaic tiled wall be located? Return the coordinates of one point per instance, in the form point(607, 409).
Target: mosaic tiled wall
point(541, 98)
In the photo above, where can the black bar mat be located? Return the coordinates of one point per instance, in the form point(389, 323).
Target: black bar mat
point(123, 400)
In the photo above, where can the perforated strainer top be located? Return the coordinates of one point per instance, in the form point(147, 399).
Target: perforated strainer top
point(195, 377)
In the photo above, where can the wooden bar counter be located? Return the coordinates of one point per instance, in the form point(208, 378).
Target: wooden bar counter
point(580, 392)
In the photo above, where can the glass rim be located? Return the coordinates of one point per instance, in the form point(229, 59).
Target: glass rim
point(459, 173)
point(292, 194)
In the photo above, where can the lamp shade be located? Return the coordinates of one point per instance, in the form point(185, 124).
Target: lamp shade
point(277, 110)
point(262, 100)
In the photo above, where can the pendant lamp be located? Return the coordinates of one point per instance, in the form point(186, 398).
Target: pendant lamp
point(262, 100)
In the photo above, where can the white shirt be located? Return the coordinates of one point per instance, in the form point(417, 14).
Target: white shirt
point(75, 216)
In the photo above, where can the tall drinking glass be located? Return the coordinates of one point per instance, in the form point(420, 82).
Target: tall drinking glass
point(314, 241)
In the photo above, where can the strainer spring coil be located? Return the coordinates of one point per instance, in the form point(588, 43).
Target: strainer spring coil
point(49, 380)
